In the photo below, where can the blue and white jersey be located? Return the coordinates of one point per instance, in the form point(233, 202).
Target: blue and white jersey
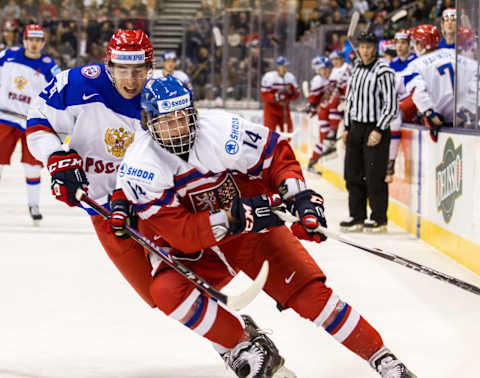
point(21, 80)
point(398, 65)
point(180, 75)
point(83, 103)
point(228, 153)
point(444, 45)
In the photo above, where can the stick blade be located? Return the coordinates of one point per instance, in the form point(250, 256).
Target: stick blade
point(238, 302)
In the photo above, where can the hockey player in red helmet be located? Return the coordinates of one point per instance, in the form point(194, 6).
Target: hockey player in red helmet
point(129, 60)
point(425, 38)
point(466, 39)
point(98, 106)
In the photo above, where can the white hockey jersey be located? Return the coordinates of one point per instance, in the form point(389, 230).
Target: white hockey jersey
point(319, 87)
point(82, 103)
point(272, 81)
point(228, 154)
point(21, 80)
point(180, 75)
point(432, 78)
point(341, 75)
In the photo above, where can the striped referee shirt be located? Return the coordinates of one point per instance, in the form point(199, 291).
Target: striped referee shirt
point(371, 95)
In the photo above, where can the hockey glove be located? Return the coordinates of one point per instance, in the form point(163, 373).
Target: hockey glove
point(123, 214)
point(254, 214)
point(281, 97)
point(67, 176)
point(311, 109)
point(307, 205)
point(428, 119)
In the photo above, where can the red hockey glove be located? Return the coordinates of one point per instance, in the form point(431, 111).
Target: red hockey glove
point(254, 214)
point(67, 176)
point(123, 214)
point(307, 205)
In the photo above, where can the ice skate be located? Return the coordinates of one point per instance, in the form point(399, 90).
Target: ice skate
point(351, 225)
point(257, 357)
point(329, 150)
point(311, 167)
point(35, 214)
point(388, 366)
point(373, 226)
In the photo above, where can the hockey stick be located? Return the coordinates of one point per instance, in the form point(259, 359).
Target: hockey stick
point(305, 90)
point(287, 217)
point(352, 30)
point(236, 302)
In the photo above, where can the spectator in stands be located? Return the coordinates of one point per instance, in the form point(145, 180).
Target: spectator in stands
point(420, 13)
point(11, 10)
point(316, 19)
point(47, 10)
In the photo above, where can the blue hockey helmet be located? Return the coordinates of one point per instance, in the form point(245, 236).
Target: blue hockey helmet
point(336, 54)
point(169, 55)
point(319, 62)
point(168, 114)
point(282, 61)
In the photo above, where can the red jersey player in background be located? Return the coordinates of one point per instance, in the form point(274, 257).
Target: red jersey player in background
point(24, 72)
point(279, 89)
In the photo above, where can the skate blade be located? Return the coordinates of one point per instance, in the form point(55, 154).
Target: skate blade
point(36, 222)
point(356, 228)
point(284, 372)
point(377, 230)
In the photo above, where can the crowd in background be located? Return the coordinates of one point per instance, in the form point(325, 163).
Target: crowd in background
point(79, 31)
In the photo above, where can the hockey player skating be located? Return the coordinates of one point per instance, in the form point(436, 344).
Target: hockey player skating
point(318, 102)
point(99, 107)
point(206, 191)
point(170, 61)
point(24, 72)
point(279, 89)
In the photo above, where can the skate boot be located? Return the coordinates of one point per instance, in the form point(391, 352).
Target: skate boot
point(373, 226)
point(328, 150)
point(388, 366)
point(257, 357)
point(311, 167)
point(35, 214)
point(351, 225)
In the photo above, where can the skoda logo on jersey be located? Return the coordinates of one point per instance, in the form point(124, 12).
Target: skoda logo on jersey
point(122, 170)
point(165, 105)
point(231, 147)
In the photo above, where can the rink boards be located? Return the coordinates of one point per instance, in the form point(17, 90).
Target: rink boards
point(433, 195)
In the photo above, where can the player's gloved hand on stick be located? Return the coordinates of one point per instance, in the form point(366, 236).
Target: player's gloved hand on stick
point(123, 214)
point(311, 109)
point(254, 214)
point(68, 176)
point(307, 205)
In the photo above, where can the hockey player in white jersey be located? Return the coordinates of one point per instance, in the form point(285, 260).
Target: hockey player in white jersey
point(206, 187)
point(431, 78)
point(98, 106)
point(24, 72)
point(170, 61)
point(279, 89)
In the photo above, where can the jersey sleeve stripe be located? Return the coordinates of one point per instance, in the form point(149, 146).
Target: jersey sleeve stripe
point(267, 151)
point(166, 199)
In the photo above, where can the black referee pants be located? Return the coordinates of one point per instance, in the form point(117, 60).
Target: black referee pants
point(364, 172)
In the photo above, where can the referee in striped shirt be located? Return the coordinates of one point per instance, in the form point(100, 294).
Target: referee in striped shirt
point(371, 104)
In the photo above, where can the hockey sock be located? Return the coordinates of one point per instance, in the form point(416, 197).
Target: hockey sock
point(210, 319)
point(32, 178)
point(318, 303)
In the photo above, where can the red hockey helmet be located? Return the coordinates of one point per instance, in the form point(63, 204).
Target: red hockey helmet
point(129, 47)
point(466, 38)
point(426, 37)
point(34, 31)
